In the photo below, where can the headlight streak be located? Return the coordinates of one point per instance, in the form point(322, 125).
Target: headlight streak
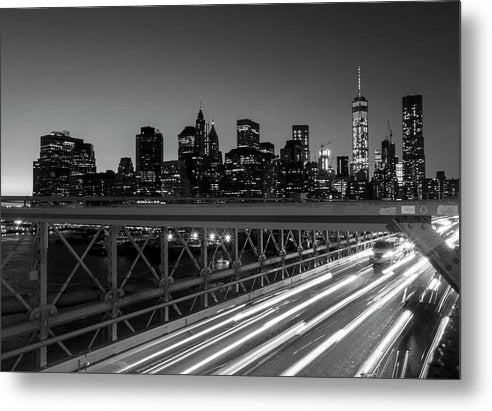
point(388, 254)
point(380, 351)
point(434, 284)
point(238, 317)
point(453, 239)
point(177, 344)
point(167, 337)
point(269, 325)
point(250, 357)
point(443, 298)
point(399, 263)
point(324, 315)
point(309, 358)
point(299, 328)
point(435, 342)
point(276, 300)
point(338, 265)
point(215, 339)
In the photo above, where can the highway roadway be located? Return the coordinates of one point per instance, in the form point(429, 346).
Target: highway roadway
point(353, 319)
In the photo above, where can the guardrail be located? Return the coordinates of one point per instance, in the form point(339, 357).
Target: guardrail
point(219, 291)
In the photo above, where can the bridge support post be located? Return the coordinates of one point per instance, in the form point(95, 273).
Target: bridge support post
point(112, 278)
point(164, 268)
point(444, 259)
point(236, 264)
point(204, 271)
point(338, 245)
point(282, 253)
point(261, 257)
point(299, 251)
point(43, 290)
point(315, 249)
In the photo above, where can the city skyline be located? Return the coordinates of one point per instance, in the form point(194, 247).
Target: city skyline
point(113, 126)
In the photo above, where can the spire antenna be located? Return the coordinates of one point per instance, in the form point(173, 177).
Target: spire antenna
point(358, 81)
point(200, 102)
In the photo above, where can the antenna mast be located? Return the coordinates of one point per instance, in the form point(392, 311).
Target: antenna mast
point(358, 81)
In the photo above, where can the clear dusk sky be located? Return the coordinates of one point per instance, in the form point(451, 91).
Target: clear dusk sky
point(103, 73)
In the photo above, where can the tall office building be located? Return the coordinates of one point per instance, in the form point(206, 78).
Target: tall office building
point(248, 134)
point(389, 160)
point(399, 176)
point(149, 153)
point(62, 163)
point(186, 143)
point(360, 136)
point(413, 146)
point(342, 166)
point(378, 163)
point(243, 173)
point(292, 168)
point(301, 133)
point(324, 158)
point(212, 166)
point(202, 145)
point(213, 144)
point(174, 180)
point(125, 182)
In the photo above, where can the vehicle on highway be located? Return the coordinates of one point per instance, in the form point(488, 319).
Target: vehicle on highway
point(388, 250)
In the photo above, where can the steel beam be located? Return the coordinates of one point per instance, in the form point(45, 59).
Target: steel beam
point(444, 259)
point(343, 215)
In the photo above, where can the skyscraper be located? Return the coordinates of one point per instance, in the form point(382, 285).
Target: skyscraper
point(324, 158)
point(125, 183)
point(213, 144)
point(342, 166)
point(243, 172)
point(301, 133)
point(360, 136)
point(292, 168)
point(413, 146)
point(62, 163)
point(149, 153)
point(212, 166)
point(201, 134)
point(248, 134)
point(378, 162)
point(186, 143)
point(389, 159)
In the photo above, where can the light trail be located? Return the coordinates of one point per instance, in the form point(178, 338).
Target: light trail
point(300, 328)
point(336, 337)
point(195, 349)
point(399, 263)
point(454, 238)
point(350, 298)
point(281, 295)
point(435, 342)
point(245, 360)
point(244, 314)
point(269, 325)
point(443, 298)
point(175, 334)
point(367, 369)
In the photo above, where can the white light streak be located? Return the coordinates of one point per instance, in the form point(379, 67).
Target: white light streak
point(377, 355)
point(435, 342)
point(270, 324)
point(336, 337)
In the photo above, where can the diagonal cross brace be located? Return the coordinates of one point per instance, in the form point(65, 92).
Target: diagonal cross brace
point(443, 258)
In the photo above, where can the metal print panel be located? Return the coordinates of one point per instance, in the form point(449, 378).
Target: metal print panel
point(262, 190)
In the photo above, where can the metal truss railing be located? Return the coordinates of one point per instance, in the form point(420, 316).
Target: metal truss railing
point(51, 331)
